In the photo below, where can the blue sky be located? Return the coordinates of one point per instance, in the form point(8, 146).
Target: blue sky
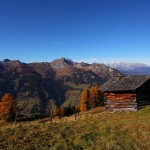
point(82, 30)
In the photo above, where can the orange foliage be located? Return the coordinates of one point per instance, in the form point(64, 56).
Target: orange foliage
point(7, 105)
point(91, 98)
point(99, 96)
point(56, 111)
point(62, 111)
point(95, 96)
point(84, 102)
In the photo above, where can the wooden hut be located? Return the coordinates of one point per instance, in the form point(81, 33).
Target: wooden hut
point(128, 93)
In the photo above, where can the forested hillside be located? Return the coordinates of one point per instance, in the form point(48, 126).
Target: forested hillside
point(34, 85)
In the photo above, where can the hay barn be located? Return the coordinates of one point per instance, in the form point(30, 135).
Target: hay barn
point(128, 93)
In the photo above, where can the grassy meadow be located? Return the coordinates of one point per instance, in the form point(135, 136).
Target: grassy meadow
point(103, 131)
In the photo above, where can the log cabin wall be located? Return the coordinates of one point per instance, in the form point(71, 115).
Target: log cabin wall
point(128, 93)
point(143, 95)
point(120, 102)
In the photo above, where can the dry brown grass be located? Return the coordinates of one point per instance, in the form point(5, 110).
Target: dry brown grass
point(103, 131)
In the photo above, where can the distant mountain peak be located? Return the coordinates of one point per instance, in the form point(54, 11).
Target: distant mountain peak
point(131, 68)
point(35, 84)
point(62, 62)
point(6, 60)
point(81, 65)
point(11, 61)
point(127, 64)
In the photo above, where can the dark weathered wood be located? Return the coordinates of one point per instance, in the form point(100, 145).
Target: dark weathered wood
point(127, 93)
point(120, 102)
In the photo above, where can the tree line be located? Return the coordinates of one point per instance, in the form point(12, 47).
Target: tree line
point(90, 98)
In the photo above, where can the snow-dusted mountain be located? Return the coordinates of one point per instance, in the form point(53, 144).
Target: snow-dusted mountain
point(131, 68)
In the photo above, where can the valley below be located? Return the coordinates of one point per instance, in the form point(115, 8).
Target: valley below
point(60, 82)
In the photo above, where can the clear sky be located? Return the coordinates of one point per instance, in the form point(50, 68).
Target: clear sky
point(82, 30)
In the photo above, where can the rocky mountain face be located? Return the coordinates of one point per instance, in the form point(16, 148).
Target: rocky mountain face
point(131, 68)
point(61, 81)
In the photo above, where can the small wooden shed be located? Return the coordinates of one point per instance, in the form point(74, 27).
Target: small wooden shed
point(128, 93)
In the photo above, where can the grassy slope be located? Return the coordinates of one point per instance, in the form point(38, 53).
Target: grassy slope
point(105, 131)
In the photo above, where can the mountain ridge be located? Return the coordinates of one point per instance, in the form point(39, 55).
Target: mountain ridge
point(131, 68)
point(37, 84)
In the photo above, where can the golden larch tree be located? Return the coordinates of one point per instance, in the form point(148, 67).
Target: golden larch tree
point(7, 105)
point(62, 111)
point(92, 100)
point(98, 95)
point(84, 102)
point(56, 111)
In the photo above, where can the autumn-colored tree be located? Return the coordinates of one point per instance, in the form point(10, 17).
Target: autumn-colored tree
point(95, 96)
point(56, 111)
point(92, 100)
point(84, 102)
point(98, 95)
point(7, 106)
point(62, 111)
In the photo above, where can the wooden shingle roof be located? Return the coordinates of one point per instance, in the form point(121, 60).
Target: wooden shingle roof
point(126, 83)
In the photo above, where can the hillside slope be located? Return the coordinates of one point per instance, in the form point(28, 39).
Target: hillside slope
point(105, 131)
point(36, 84)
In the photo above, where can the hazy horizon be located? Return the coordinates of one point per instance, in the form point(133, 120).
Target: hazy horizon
point(89, 61)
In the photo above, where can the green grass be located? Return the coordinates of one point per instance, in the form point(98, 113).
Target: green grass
point(105, 131)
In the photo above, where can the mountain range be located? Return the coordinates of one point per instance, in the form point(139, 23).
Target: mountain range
point(36, 85)
point(131, 68)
